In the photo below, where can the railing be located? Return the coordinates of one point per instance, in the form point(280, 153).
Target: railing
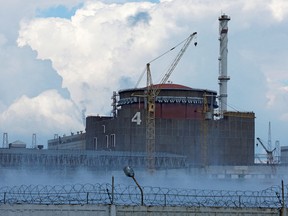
point(130, 195)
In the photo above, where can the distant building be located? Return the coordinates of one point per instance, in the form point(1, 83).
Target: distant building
point(17, 144)
point(185, 125)
point(284, 155)
point(73, 141)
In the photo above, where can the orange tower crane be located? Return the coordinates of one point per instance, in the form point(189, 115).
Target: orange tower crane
point(151, 93)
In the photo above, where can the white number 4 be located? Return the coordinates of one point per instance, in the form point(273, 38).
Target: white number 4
point(137, 118)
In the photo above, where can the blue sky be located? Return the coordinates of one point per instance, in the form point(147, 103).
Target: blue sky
point(60, 11)
point(59, 58)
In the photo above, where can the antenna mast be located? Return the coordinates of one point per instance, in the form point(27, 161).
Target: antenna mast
point(269, 137)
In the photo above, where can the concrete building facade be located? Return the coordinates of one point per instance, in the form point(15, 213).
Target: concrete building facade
point(185, 124)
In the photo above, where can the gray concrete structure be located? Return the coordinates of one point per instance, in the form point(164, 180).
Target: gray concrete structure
point(65, 158)
point(112, 210)
point(73, 141)
point(284, 155)
point(185, 125)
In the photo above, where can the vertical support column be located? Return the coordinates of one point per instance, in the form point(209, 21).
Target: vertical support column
point(112, 206)
point(112, 210)
point(223, 78)
point(283, 209)
point(114, 104)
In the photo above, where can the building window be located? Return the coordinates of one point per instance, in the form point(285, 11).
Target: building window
point(112, 141)
point(107, 141)
point(95, 143)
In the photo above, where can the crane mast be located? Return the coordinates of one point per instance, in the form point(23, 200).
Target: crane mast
point(152, 92)
point(150, 122)
point(269, 153)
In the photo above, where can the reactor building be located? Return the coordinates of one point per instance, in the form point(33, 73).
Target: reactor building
point(187, 122)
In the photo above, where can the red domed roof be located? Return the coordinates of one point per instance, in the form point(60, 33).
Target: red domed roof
point(172, 86)
point(168, 86)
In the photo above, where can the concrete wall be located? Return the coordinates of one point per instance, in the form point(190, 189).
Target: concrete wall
point(111, 210)
point(54, 210)
point(228, 141)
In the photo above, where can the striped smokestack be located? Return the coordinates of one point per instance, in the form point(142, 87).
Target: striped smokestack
point(223, 78)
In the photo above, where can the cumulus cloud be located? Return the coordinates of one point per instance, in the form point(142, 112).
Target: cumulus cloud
point(98, 48)
point(279, 9)
point(277, 93)
point(47, 112)
point(23, 74)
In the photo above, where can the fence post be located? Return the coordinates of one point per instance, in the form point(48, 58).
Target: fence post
point(283, 210)
point(112, 202)
point(113, 210)
point(87, 198)
point(4, 201)
point(239, 201)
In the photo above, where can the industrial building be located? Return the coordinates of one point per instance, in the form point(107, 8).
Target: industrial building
point(182, 120)
point(169, 118)
point(185, 121)
point(163, 125)
point(183, 126)
point(72, 142)
point(284, 155)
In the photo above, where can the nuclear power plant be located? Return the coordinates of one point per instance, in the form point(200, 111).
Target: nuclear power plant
point(163, 125)
point(184, 125)
point(173, 119)
point(185, 121)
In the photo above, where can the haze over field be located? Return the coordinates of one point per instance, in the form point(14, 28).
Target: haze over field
point(172, 178)
point(61, 58)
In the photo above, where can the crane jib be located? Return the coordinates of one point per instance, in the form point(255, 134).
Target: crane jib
point(151, 94)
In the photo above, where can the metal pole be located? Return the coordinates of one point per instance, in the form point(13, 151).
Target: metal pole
point(112, 202)
point(130, 173)
point(283, 210)
point(141, 190)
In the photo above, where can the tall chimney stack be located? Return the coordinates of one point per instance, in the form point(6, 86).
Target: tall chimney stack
point(223, 78)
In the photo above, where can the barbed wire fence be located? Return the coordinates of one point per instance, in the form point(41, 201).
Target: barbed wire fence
point(129, 195)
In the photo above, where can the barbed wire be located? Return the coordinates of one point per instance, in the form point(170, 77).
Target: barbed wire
point(130, 195)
